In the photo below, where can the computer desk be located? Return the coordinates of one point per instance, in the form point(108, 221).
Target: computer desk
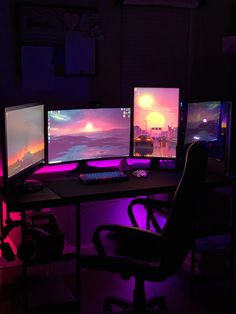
point(65, 188)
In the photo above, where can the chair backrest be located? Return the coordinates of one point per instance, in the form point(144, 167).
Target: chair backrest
point(178, 233)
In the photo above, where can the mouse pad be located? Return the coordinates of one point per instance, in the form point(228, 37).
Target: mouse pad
point(157, 181)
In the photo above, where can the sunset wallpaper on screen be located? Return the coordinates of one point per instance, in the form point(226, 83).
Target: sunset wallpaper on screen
point(156, 112)
point(25, 138)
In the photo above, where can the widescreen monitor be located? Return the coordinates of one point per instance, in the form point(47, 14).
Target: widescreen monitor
point(155, 122)
point(23, 143)
point(88, 134)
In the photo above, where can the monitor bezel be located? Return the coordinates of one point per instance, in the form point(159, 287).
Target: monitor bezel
point(18, 179)
point(155, 160)
point(84, 162)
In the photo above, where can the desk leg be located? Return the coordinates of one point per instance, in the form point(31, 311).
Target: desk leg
point(25, 288)
point(1, 228)
point(1, 224)
point(233, 242)
point(78, 292)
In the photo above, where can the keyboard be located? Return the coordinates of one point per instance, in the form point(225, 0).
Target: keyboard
point(105, 176)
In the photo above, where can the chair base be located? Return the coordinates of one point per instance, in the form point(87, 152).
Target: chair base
point(154, 305)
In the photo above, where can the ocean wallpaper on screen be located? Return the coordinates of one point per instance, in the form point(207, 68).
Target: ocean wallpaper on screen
point(85, 134)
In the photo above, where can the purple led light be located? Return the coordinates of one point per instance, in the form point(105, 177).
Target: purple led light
point(104, 163)
point(141, 163)
point(116, 162)
point(57, 168)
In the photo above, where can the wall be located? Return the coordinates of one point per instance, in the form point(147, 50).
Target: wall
point(212, 71)
point(159, 45)
point(154, 48)
point(165, 46)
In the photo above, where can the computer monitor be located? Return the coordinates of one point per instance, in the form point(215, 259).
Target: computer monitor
point(208, 121)
point(203, 121)
point(23, 149)
point(155, 122)
point(77, 135)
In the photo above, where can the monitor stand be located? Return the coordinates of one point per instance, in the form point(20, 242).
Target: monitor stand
point(83, 167)
point(123, 165)
point(163, 164)
point(154, 163)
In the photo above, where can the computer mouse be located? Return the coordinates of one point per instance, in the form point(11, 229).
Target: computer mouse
point(140, 173)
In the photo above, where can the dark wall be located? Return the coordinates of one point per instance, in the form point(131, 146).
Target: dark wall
point(154, 48)
point(160, 46)
point(211, 69)
point(166, 46)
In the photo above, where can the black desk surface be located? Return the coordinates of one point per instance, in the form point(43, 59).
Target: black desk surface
point(64, 188)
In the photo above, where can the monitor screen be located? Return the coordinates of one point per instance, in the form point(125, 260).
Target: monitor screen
point(88, 134)
point(203, 121)
point(24, 140)
point(209, 121)
point(155, 123)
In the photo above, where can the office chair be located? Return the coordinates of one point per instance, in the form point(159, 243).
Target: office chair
point(217, 204)
point(151, 256)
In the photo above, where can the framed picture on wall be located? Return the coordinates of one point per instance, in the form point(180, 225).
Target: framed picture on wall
point(68, 33)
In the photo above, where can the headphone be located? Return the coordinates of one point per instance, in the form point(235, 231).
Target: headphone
point(43, 240)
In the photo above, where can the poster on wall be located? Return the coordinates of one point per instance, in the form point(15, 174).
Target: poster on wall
point(66, 36)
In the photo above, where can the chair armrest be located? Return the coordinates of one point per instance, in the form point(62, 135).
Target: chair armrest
point(123, 231)
point(150, 206)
